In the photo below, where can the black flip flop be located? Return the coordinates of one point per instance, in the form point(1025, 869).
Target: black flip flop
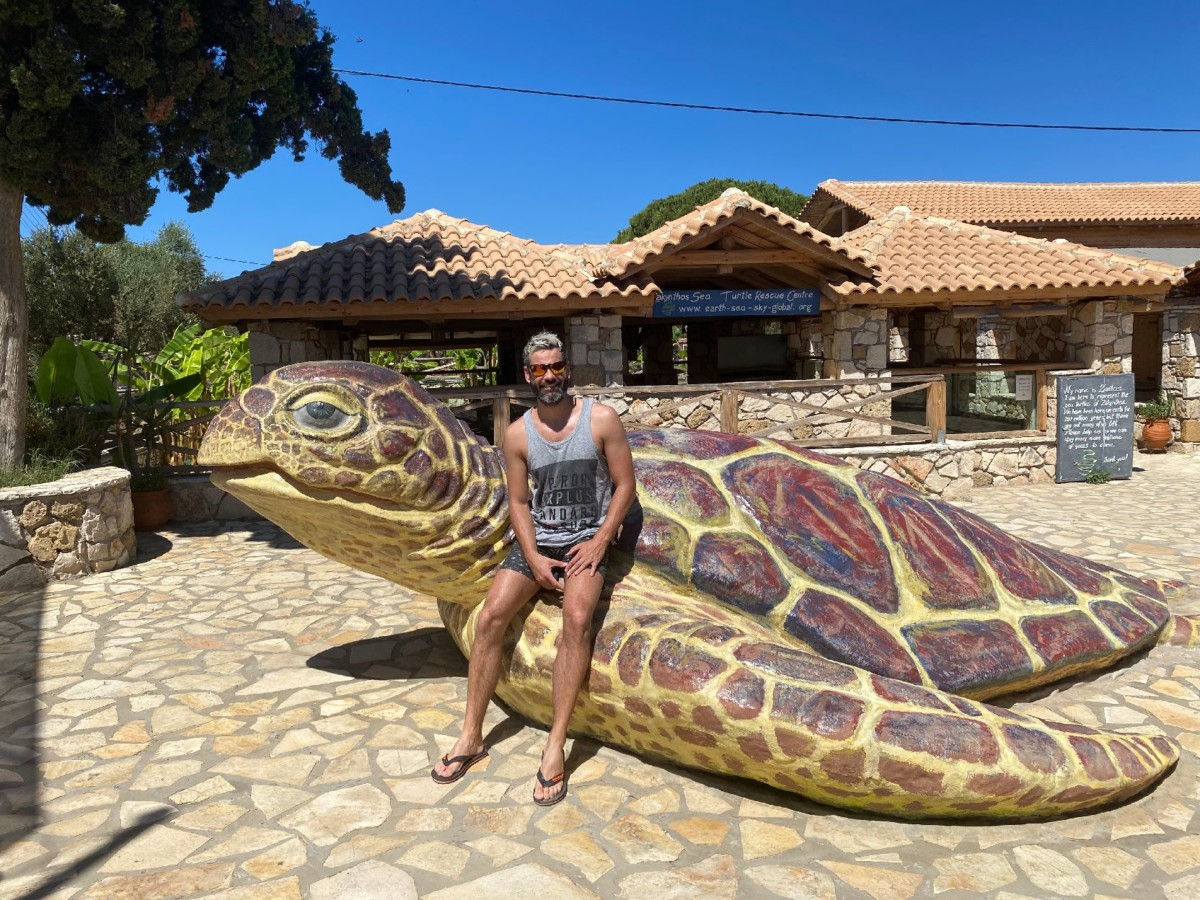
point(551, 782)
point(464, 763)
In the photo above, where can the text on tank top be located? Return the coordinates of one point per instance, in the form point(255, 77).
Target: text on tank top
point(571, 484)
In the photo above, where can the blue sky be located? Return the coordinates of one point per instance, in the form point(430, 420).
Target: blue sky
point(572, 171)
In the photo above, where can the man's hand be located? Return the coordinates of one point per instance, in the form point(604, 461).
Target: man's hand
point(546, 571)
point(585, 557)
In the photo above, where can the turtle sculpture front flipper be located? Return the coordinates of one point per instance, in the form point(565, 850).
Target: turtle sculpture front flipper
point(771, 613)
point(717, 694)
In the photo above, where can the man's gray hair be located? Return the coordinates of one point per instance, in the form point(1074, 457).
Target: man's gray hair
point(543, 340)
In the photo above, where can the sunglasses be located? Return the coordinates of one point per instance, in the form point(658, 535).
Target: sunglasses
point(537, 370)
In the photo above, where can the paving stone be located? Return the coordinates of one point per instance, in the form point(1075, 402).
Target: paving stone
point(182, 881)
point(273, 800)
point(580, 851)
point(663, 801)
point(701, 830)
point(1178, 855)
point(761, 839)
point(158, 846)
point(793, 882)
point(439, 857)
point(213, 817)
point(881, 883)
point(529, 881)
point(640, 840)
point(282, 889)
point(1111, 864)
point(1051, 872)
point(1182, 888)
point(362, 847)
point(715, 877)
point(278, 860)
point(366, 881)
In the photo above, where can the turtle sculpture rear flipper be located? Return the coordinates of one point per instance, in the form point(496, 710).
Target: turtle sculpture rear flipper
point(722, 696)
point(774, 613)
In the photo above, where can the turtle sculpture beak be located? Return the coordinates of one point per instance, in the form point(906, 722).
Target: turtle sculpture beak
point(233, 438)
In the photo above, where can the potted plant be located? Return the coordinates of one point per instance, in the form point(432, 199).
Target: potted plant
point(1156, 427)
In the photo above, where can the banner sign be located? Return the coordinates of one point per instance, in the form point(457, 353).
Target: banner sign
point(782, 302)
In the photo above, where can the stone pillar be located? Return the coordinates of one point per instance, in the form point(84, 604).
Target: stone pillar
point(274, 344)
point(859, 349)
point(595, 349)
point(1101, 336)
point(859, 345)
point(1181, 371)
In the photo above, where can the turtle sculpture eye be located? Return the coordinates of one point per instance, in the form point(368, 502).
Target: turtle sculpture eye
point(322, 415)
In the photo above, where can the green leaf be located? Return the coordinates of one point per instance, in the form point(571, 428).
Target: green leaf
point(91, 377)
point(55, 383)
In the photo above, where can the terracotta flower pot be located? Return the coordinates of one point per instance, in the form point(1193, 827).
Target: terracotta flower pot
point(151, 509)
point(1156, 434)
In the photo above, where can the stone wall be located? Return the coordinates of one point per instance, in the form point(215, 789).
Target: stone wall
point(954, 469)
point(595, 349)
point(855, 342)
point(1100, 335)
point(79, 524)
point(279, 343)
point(1181, 372)
point(194, 498)
point(757, 413)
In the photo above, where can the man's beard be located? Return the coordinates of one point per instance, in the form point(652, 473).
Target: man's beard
point(552, 394)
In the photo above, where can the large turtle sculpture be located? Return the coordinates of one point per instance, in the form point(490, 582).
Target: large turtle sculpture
point(769, 612)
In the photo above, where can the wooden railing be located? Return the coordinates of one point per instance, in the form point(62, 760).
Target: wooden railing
point(656, 406)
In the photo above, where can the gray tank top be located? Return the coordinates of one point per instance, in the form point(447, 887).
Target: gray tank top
point(571, 484)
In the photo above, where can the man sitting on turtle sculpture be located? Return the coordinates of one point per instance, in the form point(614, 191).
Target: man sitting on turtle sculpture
point(576, 453)
point(767, 612)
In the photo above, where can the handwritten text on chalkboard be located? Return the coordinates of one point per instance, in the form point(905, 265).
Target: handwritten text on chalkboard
point(1095, 426)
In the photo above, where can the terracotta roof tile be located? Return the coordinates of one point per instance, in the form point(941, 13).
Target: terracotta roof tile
point(1015, 203)
point(913, 253)
point(620, 259)
point(427, 257)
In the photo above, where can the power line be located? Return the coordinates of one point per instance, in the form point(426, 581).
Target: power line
point(243, 261)
point(768, 112)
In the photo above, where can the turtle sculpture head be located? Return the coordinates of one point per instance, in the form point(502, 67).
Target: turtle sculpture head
point(776, 614)
point(361, 464)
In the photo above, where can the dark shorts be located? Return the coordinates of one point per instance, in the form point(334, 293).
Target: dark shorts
point(516, 558)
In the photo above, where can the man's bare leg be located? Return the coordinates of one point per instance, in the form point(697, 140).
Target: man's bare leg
point(580, 596)
point(509, 592)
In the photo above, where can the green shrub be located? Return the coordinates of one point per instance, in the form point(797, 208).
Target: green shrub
point(38, 470)
point(1160, 407)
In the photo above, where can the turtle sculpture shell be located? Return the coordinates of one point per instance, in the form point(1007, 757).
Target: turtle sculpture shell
point(769, 612)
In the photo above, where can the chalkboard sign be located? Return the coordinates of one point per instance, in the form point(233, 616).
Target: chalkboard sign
point(1095, 427)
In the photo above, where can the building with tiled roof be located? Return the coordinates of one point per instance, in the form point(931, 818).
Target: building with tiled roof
point(1141, 217)
point(916, 276)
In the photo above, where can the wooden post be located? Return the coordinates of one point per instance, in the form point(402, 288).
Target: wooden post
point(935, 410)
point(729, 411)
point(1040, 383)
point(501, 415)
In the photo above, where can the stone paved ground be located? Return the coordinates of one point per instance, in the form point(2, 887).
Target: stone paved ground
point(235, 717)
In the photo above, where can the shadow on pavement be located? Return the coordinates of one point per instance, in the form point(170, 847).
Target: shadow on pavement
point(101, 853)
point(21, 624)
point(423, 653)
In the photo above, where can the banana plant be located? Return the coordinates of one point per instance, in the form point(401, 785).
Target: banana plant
point(116, 395)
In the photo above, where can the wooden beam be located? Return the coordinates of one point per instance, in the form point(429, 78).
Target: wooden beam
point(955, 298)
point(735, 257)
